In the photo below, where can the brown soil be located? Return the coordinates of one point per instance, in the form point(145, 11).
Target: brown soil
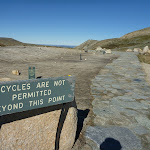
point(55, 62)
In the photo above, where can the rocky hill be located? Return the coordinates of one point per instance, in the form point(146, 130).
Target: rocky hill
point(9, 42)
point(143, 32)
point(13, 42)
point(138, 38)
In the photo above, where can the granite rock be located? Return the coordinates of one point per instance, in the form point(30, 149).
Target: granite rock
point(39, 132)
point(116, 137)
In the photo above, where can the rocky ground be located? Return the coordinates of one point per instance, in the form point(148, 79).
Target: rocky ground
point(56, 62)
point(121, 106)
point(111, 93)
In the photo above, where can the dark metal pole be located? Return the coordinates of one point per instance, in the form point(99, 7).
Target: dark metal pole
point(64, 111)
point(80, 57)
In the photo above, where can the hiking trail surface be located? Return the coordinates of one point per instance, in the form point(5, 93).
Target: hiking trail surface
point(121, 106)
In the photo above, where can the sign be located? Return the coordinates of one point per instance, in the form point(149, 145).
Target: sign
point(23, 95)
point(31, 72)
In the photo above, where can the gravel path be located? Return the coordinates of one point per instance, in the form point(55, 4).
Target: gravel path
point(121, 106)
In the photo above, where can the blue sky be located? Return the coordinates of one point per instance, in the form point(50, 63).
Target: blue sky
point(71, 22)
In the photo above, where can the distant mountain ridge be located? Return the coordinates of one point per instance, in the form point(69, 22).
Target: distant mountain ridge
point(12, 42)
point(65, 46)
point(139, 38)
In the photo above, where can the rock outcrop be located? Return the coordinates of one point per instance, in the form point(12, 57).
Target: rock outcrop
point(138, 38)
point(140, 51)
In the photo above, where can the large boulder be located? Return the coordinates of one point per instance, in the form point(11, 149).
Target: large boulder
point(146, 49)
point(36, 129)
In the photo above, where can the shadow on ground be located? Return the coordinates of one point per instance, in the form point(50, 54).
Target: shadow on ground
point(110, 144)
point(82, 114)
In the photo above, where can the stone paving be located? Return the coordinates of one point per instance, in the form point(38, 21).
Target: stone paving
point(121, 106)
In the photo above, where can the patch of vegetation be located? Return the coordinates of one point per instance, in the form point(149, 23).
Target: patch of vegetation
point(144, 58)
point(140, 41)
point(2, 45)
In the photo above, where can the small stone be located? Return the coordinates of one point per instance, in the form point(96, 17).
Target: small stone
point(143, 121)
point(16, 72)
point(129, 50)
point(138, 50)
point(140, 130)
point(116, 86)
point(114, 91)
point(99, 48)
point(108, 51)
